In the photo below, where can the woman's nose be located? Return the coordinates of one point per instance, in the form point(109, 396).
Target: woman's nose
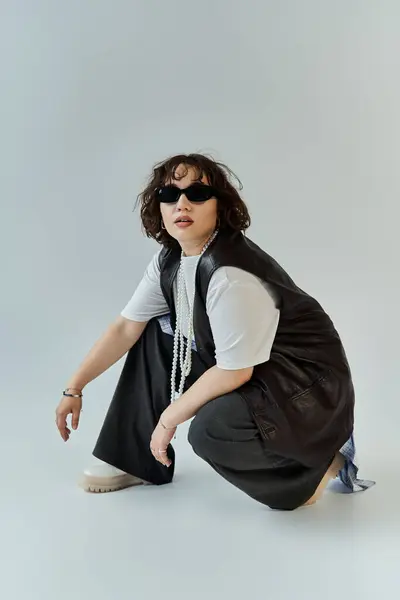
point(183, 202)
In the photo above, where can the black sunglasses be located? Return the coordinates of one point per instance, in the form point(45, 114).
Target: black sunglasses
point(197, 192)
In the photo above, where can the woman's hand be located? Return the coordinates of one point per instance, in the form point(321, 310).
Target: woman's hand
point(66, 407)
point(159, 443)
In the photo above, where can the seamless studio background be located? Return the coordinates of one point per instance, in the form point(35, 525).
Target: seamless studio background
point(301, 100)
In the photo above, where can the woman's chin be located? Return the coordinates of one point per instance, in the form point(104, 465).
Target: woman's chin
point(187, 235)
point(184, 233)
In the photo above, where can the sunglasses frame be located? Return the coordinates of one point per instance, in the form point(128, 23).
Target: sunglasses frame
point(180, 191)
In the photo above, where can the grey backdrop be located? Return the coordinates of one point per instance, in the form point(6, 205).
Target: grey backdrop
point(301, 99)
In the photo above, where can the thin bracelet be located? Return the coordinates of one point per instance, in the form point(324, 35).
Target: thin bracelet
point(167, 428)
point(72, 395)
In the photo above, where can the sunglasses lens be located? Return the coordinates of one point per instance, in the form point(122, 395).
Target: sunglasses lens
point(168, 194)
point(199, 193)
point(194, 193)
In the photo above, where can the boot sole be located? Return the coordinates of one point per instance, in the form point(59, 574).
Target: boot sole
point(99, 485)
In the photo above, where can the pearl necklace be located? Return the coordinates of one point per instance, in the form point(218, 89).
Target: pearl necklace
point(184, 354)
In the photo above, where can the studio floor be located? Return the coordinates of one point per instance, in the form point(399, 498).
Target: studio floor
point(196, 538)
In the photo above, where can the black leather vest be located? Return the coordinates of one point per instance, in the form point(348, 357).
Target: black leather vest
point(302, 399)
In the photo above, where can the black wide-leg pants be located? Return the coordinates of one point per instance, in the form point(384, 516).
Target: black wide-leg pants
point(223, 433)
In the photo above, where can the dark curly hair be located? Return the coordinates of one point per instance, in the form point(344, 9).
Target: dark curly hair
point(232, 211)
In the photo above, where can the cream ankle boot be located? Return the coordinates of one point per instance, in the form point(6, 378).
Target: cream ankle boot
point(106, 478)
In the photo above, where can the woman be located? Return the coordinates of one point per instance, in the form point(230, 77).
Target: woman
point(218, 331)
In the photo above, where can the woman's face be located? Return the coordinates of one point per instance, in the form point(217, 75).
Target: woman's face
point(199, 219)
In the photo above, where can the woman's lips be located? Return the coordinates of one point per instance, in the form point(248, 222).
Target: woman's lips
point(183, 224)
point(183, 221)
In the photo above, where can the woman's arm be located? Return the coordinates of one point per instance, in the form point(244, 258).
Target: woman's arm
point(147, 302)
point(213, 383)
point(120, 336)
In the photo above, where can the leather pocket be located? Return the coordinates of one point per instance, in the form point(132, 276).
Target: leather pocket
point(313, 411)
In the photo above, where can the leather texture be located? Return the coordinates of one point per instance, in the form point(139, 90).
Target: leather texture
point(302, 399)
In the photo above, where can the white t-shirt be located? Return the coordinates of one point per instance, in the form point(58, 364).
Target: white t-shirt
point(241, 309)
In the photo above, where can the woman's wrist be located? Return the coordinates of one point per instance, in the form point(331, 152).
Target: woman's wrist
point(165, 424)
point(75, 386)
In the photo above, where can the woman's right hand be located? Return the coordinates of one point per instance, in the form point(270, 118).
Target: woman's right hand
point(68, 406)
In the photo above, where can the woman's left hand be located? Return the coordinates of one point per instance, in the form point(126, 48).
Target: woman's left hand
point(159, 443)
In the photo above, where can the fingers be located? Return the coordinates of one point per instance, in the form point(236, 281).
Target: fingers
point(161, 456)
point(61, 422)
point(164, 460)
point(75, 418)
point(65, 408)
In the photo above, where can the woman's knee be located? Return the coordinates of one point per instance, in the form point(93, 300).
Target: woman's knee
point(213, 425)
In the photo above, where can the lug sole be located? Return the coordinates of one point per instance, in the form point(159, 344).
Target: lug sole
point(100, 485)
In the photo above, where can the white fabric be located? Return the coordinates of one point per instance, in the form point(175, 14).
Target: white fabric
point(241, 309)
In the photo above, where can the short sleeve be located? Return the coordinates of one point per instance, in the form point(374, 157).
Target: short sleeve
point(148, 300)
point(243, 318)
